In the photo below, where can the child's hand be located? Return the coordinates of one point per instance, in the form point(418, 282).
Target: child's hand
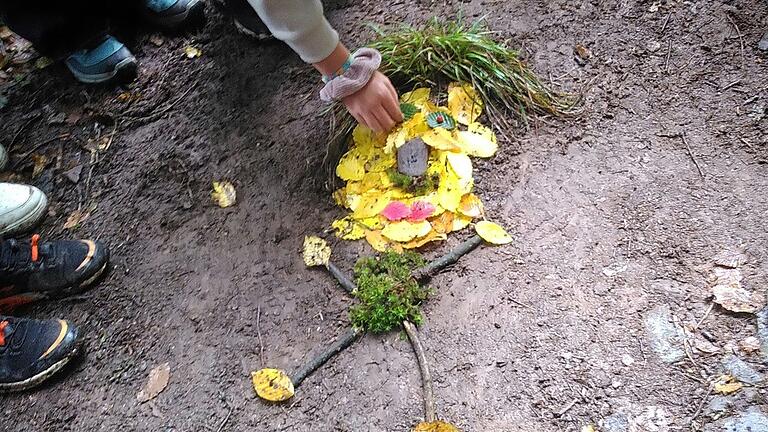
point(375, 105)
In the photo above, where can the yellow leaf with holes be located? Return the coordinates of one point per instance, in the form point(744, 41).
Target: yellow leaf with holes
point(353, 201)
point(449, 191)
point(273, 385)
point(224, 194)
point(374, 180)
point(404, 231)
point(460, 164)
point(417, 96)
point(316, 251)
point(460, 222)
point(351, 166)
point(348, 229)
point(421, 241)
point(441, 139)
point(475, 144)
point(416, 126)
point(492, 233)
point(471, 206)
point(372, 223)
point(192, 52)
point(371, 204)
point(364, 137)
point(727, 384)
point(380, 243)
point(464, 103)
point(396, 139)
point(435, 426)
point(380, 161)
point(442, 223)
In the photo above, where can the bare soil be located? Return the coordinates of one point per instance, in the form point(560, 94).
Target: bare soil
point(610, 214)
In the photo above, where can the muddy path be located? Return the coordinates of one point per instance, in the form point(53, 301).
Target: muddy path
point(616, 230)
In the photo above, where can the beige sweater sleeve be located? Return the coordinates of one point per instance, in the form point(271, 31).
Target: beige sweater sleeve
point(301, 24)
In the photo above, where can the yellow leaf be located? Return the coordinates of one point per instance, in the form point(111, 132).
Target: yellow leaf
point(224, 194)
point(417, 97)
point(192, 52)
point(421, 241)
point(435, 426)
point(273, 385)
point(471, 206)
point(76, 218)
point(464, 103)
point(316, 251)
point(340, 197)
point(460, 222)
point(416, 126)
point(588, 428)
point(348, 229)
point(396, 139)
point(351, 166)
point(372, 223)
point(476, 144)
point(370, 205)
point(404, 231)
point(364, 137)
point(443, 223)
point(727, 384)
point(492, 233)
point(461, 164)
point(441, 139)
point(41, 161)
point(379, 161)
point(379, 243)
point(449, 192)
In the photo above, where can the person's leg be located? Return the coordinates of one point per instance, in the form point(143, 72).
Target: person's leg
point(22, 207)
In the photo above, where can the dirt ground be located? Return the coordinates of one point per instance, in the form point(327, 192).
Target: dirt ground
point(617, 224)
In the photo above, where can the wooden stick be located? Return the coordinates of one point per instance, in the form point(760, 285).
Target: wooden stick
point(428, 271)
point(343, 280)
point(690, 153)
point(430, 412)
point(343, 342)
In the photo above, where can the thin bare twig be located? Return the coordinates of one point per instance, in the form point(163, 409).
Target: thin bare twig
point(738, 32)
point(706, 314)
point(37, 147)
point(342, 343)
point(737, 82)
point(156, 115)
point(258, 333)
point(430, 412)
point(666, 21)
point(669, 54)
point(226, 419)
point(690, 153)
point(703, 401)
point(425, 273)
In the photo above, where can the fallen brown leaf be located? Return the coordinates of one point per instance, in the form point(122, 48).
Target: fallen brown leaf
point(156, 383)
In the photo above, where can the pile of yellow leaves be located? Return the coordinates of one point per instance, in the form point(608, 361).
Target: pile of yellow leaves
point(392, 217)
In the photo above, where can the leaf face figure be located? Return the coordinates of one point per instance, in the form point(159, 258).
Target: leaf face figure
point(316, 251)
point(272, 385)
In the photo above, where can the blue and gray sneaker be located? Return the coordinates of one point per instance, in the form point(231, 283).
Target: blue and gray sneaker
point(172, 14)
point(108, 60)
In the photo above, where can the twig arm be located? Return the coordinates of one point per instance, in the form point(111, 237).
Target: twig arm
point(344, 281)
point(342, 343)
point(425, 273)
point(430, 412)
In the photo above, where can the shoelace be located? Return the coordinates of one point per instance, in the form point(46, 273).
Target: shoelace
point(14, 257)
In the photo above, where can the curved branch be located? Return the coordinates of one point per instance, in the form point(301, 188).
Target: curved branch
point(430, 412)
point(426, 273)
point(342, 343)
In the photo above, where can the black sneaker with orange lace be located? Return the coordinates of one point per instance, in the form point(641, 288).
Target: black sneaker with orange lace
point(38, 270)
point(31, 351)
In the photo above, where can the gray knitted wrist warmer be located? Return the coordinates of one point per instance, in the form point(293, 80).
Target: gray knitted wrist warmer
point(365, 62)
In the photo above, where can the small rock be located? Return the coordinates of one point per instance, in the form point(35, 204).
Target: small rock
point(750, 344)
point(730, 259)
point(741, 370)
point(617, 422)
point(627, 360)
point(412, 158)
point(763, 44)
point(654, 46)
point(73, 174)
point(753, 421)
point(705, 346)
point(718, 404)
point(666, 338)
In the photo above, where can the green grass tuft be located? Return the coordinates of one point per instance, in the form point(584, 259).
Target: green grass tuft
point(387, 292)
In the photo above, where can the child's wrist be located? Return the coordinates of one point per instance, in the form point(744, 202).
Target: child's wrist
point(364, 63)
point(340, 71)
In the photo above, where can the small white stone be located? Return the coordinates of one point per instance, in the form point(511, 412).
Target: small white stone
point(627, 360)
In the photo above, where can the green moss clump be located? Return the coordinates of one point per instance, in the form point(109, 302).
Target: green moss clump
point(418, 186)
point(387, 293)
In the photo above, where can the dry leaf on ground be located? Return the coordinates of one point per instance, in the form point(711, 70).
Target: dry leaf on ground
point(492, 233)
point(435, 426)
point(76, 218)
point(272, 384)
point(156, 383)
point(192, 52)
point(224, 194)
point(727, 384)
point(316, 251)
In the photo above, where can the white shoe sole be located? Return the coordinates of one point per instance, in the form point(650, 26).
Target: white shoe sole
point(29, 221)
point(39, 378)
